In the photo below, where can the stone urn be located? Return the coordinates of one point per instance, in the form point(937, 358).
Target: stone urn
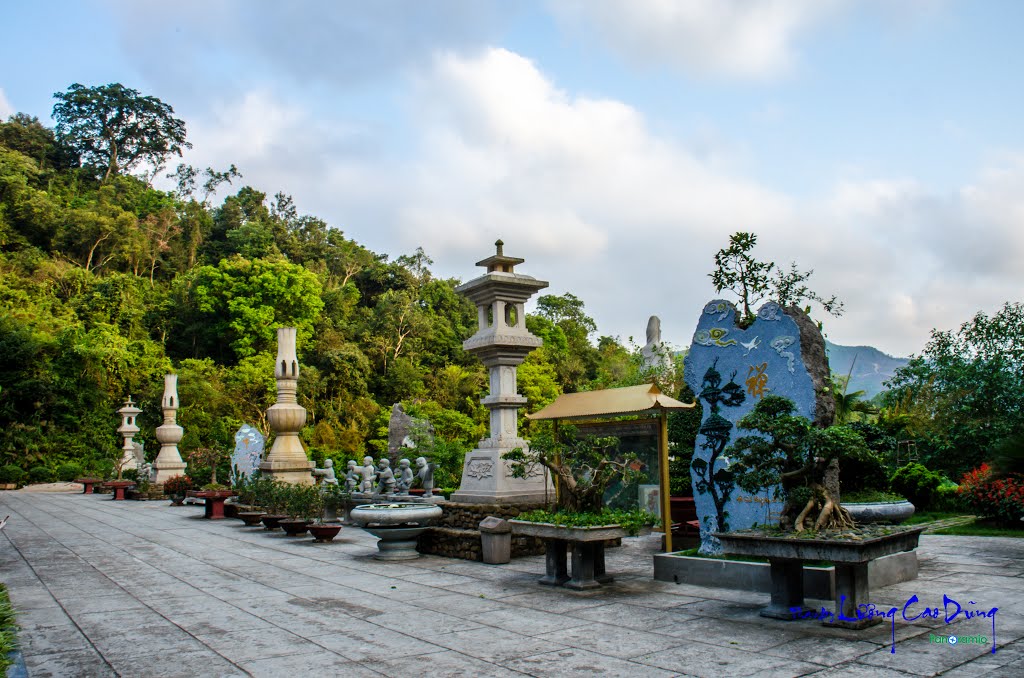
point(396, 526)
point(894, 512)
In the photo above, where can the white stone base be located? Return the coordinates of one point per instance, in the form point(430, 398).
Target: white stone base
point(486, 479)
point(166, 470)
point(291, 472)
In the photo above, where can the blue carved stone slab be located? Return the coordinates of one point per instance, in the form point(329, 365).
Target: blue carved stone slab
point(729, 369)
point(248, 452)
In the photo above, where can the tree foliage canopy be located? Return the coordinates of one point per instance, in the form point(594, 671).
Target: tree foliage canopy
point(114, 128)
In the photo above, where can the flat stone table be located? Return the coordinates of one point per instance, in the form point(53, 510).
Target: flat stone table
point(213, 506)
point(851, 557)
point(587, 544)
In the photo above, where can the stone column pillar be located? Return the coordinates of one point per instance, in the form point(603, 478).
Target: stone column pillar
point(287, 460)
point(168, 462)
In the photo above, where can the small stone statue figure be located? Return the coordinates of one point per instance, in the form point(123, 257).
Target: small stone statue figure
point(146, 472)
point(403, 480)
point(352, 476)
point(327, 472)
point(425, 472)
point(386, 478)
point(369, 475)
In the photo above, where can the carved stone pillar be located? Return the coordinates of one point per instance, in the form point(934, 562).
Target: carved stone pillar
point(287, 460)
point(168, 462)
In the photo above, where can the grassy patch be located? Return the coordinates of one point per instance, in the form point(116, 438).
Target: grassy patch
point(930, 517)
point(983, 529)
point(8, 629)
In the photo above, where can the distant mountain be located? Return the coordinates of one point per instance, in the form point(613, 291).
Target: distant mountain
point(871, 369)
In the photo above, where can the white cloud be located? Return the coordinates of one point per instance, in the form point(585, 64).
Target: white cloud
point(6, 110)
point(725, 37)
point(604, 207)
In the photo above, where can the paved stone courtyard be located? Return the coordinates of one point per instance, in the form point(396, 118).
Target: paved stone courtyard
point(107, 588)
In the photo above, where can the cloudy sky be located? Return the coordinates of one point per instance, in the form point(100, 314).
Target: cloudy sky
point(614, 144)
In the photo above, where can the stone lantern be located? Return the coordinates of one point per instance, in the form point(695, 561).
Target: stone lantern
point(287, 460)
point(502, 343)
point(168, 462)
point(128, 428)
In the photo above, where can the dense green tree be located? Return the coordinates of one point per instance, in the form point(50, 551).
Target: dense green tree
point(115, 128)
point(962, 395)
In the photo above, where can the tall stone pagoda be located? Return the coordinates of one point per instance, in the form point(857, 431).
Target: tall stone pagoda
point(501, 342)
point(128, 428)
point(287, 460)
point(168, 461)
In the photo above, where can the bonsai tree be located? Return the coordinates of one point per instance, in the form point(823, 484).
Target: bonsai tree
point(797, 458)
point(208, 457)
point(583, 466)
point(304, 502)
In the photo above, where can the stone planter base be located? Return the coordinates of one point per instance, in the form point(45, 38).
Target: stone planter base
point(119, 487)
point(87, 483)
point(894, 512)
point(786, 555)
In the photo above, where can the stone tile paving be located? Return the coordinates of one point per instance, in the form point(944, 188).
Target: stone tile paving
point(108, 588)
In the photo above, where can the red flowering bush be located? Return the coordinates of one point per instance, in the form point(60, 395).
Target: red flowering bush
point(1002, 500)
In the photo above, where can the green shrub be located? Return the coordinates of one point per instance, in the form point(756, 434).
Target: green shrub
point(949, 499)
point(40, 474)
point(12, 474)
point(68, 471)
point(916, 483)
point(102, 468)
point(130, 474)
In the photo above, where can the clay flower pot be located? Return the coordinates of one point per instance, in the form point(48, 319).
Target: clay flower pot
point(294, 527)
point(251, 518)
point(324, 532)
point(270, 520)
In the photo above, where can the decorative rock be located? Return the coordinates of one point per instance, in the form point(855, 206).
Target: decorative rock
point(405, 432)
point(782, 353)
point(248, 452)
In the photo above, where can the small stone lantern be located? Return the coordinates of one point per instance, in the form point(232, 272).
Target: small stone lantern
point(128, 428)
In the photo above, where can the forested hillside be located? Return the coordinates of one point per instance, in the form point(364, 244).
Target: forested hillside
point(107, 283)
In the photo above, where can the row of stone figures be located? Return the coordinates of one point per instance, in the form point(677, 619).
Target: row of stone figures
point(380, 478)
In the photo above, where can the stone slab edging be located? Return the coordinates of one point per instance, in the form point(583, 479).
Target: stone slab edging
point(819, 582)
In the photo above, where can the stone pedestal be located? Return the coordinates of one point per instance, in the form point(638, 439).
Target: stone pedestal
point(168, 462)
point(502, 343)
point(287, 460)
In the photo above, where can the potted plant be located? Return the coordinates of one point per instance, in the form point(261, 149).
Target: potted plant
point(120, 484)
point(275, 500)
point(176, 487)
point(253, 493)
point(583, 467)
point(302, 506)
point(325, 528)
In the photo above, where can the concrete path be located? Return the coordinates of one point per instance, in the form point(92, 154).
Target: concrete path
point(108, 588)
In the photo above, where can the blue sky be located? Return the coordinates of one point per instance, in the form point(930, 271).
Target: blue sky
point(615, 144)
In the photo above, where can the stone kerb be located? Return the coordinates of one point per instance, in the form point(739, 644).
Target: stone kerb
point(730, 369)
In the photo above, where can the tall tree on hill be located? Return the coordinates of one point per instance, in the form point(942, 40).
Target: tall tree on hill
point(114, 128)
